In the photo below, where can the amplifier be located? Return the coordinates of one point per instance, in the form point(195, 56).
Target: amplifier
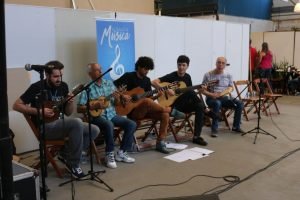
point(26, 182)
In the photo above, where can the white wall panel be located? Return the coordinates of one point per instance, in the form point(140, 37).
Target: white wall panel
point(198, 45)
point(169, 44)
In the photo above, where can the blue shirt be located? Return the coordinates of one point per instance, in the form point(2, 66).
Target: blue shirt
point(104, 90)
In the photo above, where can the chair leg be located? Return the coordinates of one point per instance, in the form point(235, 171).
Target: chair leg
point(57, 169)
point(94, 149)
point(173, 131)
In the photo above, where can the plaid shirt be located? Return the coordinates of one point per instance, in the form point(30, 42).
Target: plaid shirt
point(105, 89)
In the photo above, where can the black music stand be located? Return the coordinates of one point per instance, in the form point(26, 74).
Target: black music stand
point(257, 130)
point(91, 175)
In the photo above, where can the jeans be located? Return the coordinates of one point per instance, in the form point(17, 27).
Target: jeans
point(149, 109)
point(190, 102)
point(107, 128)
point(77, 132)
point(226, 102)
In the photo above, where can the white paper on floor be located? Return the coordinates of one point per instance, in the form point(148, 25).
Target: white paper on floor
point(176, 146)
point(189, 154)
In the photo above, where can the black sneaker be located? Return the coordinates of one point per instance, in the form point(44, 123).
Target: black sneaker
point(75, 171)
point(238, 130)
point(199, 141)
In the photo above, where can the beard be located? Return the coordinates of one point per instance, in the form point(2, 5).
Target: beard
point(54, 84)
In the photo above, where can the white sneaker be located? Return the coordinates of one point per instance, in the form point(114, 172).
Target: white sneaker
point(122, 156)
point(110, 160)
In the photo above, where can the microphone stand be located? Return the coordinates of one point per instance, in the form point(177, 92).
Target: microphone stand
point(257, 129)
point(40, 98)
point(91, 175)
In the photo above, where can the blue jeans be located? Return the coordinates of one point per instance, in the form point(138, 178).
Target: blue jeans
point(226, 102)
point(107, 129)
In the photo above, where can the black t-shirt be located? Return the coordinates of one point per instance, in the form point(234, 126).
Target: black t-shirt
point(174, 77)
point(131, 80)
point(52, 93)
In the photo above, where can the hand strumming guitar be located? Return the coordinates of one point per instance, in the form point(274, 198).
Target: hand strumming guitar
point(48, 112)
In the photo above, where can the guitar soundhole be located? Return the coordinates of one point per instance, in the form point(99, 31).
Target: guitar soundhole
point(135, 97)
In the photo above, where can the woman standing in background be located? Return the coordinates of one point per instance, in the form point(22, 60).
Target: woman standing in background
point(265, 61)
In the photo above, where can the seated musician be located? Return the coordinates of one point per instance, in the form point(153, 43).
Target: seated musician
point(146, 107)
point(73, 128)
point(188, 101)
point(294, 81)
point(217, 96)
point(107, 117)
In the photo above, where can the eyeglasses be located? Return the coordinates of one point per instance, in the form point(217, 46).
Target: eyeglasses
point(220, 62)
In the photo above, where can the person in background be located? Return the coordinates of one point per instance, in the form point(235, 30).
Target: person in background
point(218, 95)
point(146, 107)
point(108, 118)
point(252, 60)
point(73, 128)
point(265, 61)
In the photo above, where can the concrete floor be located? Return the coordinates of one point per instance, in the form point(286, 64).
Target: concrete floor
point(234, 155)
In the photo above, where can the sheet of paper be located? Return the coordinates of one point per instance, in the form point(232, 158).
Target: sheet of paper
point(177, 157)
point(186, 154)
point(176, 146)
point(201, 150)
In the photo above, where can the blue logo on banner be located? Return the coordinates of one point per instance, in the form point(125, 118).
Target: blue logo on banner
point(115, 45)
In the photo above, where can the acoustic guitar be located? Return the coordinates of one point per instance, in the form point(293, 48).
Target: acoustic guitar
point(105, 100)
point(226, 91)
point(56, 106)
point(136, 94)
point(167, 100)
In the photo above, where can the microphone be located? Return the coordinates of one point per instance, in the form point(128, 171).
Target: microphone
point(227, 64)
point(30, 67)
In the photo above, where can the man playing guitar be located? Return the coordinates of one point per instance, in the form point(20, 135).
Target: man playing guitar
point(188, 101)
point(217, 96)
point(73, 128)
point(146, 107)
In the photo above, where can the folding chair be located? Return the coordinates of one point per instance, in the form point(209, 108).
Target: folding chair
point(176, 125)
point(51, 150)
point(269, 97)
point(250, 101)
point(150, 125)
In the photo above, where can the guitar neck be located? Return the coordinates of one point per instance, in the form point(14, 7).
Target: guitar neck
point(152, 92)
point(182, 90)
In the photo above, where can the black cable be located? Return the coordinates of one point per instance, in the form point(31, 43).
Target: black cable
point(231, 179)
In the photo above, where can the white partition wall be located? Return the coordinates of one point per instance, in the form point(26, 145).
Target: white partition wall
point(199, 41)
point(297, 50)
point(169, 43)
